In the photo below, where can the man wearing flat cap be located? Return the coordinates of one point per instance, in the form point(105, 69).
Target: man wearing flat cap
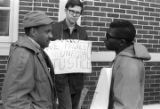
point(28, 83)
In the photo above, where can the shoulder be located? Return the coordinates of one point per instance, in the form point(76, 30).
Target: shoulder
point(81, 28)
point(22, 54)
point(82, 32)
point(131, 63)
point(57, 25)
point(57, 30)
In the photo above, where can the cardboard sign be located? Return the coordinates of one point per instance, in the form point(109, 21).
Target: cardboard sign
point(70, 56)
point(101, 96)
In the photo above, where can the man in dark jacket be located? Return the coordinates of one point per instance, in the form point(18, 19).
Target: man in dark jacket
point(28, 83)
point(69, 86)
point(127, 85)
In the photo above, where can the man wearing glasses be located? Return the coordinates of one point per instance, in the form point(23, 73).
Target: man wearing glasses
point(69, 86)
point(127, 85)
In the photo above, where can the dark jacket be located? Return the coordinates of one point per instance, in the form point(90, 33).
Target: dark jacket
point(61, 31)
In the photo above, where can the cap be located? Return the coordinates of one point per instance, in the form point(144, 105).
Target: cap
point(36, 18)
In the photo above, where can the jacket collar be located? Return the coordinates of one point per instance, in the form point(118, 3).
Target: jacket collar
point(35, 43)
point(136, 51)
point(65, 26)
point(26, 42)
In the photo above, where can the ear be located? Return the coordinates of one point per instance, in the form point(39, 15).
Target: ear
point(122, 42)
point(33, 32)
point(65, 10)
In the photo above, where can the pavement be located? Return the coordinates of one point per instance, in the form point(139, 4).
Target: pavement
point(152, 106)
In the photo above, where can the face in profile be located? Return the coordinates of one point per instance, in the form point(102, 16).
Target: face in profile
point(112, 42)
point(73, 13)
point(43, 35)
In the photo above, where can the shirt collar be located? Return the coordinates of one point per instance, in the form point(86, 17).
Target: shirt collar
point(65, 26)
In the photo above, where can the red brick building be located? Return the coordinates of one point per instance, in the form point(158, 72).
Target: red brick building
point(145, 15)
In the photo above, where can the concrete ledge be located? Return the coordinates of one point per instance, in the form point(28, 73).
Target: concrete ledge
point(4, 49)
point(108, 56)
point(152, 106)
point(103, 56)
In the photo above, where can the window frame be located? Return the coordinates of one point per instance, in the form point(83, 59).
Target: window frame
point(5, 41)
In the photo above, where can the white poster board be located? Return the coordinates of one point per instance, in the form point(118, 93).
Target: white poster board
point(70, 56)
point(101, 96)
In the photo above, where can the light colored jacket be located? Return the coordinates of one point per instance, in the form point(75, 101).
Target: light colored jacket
point(28, 83)
point(127, 89)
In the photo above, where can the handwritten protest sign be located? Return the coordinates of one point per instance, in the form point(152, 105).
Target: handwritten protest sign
point(70, 56)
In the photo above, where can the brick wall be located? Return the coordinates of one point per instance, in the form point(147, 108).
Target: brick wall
point(152, 83)
point(96, 17)
point(144, 14)
point(91, 81)
point(51, 7)
point(3, 65)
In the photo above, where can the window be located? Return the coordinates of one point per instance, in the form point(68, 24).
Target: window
point(9, 24)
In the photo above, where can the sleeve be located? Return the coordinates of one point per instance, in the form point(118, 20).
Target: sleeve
point(129, 86)
point(19, 81)
point(56, 31)
point(84, 33)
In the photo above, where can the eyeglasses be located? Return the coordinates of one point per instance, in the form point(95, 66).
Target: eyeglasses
point(74, 13)
point(108, 36)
